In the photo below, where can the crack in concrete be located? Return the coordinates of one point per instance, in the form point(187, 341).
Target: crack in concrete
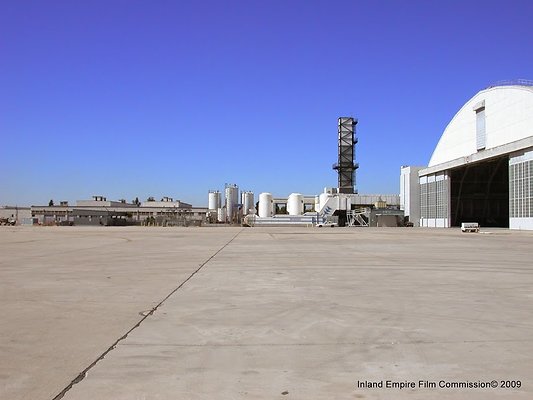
point(83, 373)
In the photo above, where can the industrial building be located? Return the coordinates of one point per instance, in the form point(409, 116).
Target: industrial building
point(330, 207)
point(14, 215)
point(482, 167)
point(100, 211)
point(234, 207)
point(341, 205)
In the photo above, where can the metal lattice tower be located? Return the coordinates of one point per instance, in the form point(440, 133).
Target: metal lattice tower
point(346, 166)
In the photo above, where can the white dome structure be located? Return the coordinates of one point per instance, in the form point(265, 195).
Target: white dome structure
point(482, 167)
point(508, 117)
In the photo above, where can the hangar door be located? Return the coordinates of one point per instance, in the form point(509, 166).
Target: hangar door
point(479, 192)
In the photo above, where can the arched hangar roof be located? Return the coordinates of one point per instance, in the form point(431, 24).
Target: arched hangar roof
point(508, 118)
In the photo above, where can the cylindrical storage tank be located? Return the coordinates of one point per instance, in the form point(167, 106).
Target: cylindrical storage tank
point(214, 202)
point(248, 205)
point(266, 205)
point(295, 204)
point(232, 199)
point(243, 197)
point(235, 195)
point(221, 214)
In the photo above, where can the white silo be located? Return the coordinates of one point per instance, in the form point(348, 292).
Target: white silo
point(236, 195)
point(295, 204)
point(215, 201)
point(232, 200)
point(266, 205)
point(243, 195)
point(247, 201)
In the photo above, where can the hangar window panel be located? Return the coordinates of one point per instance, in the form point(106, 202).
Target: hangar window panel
point(423, 201)
point(480, 129)
point(428, 200)
point(432, 200)
point(521, 190)
point(525, 201)
point(520, 193)
point(442, 203)
point(442, 199)
point(438, 194)
point(529, 183)
point(515, 191)
point(436, 198)
point(530, 176)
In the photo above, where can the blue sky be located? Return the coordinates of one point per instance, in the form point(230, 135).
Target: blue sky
point(135, 99)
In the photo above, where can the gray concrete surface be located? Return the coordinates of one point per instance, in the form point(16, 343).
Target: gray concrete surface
point(288, 313)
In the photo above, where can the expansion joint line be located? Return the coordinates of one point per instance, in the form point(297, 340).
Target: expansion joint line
point(83, 373)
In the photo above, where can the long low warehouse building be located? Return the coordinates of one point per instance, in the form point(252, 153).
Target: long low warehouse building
point(100, 211)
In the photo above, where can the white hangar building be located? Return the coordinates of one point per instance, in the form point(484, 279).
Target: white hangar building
point(482, 168)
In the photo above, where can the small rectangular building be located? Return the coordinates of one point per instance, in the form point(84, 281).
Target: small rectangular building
point(410, 194)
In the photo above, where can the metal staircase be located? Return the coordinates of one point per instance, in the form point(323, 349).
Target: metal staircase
point(358, 217)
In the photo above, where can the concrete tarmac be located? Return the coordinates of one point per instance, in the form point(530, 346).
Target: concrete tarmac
point(265, 313)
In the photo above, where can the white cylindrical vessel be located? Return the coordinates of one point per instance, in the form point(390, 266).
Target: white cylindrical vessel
point(236, 195)
point(221, 214)
point(214, 202)
point(232, 199)
point(295, 204)
point(266, 205)
point(248, 206)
